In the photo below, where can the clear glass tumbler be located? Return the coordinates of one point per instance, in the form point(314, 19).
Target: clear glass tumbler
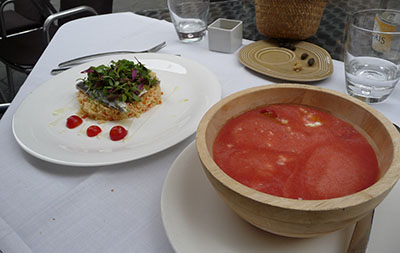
point(372, 54)
point(189, 18)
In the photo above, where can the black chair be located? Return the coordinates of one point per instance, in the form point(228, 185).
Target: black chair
point(21, 52)
point(18, 16)
point(100, 6)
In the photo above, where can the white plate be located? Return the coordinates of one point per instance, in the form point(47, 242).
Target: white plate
point(197, 220)
point(39, 123)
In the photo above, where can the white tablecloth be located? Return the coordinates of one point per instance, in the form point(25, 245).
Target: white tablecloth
point(46, 207)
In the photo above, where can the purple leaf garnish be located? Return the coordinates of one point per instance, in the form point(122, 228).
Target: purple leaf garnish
point(89, 70)
point(134, 73)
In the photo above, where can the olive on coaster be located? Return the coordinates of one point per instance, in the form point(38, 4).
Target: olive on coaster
point(304, 56)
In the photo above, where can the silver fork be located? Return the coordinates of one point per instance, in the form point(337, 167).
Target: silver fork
point(87, 57)
point(68, 64)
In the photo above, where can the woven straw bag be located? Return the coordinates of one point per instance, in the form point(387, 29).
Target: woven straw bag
point(289, 19)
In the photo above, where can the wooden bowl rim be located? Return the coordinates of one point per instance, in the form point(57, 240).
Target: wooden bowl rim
point(383, 185)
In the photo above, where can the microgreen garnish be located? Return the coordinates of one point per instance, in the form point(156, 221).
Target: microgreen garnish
point(123, 80)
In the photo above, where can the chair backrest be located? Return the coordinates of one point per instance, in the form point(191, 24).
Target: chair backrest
point(37, 10)
point(100, 6)
point(22, 15)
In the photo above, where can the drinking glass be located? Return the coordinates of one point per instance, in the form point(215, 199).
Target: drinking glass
point(372, 54)
point(189, 18)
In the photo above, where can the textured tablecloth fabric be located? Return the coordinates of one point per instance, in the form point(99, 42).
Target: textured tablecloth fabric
point(46, 207)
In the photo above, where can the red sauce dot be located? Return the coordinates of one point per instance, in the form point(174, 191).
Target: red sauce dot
point(118, 133)
point(74, 121)
point(92, 131)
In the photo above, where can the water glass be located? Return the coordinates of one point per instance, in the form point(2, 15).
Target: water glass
point(189, 18)
point(372, 54)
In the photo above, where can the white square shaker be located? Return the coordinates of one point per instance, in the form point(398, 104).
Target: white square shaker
point(225, 35)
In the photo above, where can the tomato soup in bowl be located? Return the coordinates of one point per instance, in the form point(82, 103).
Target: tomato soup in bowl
point(298, 160)
point(295, 151)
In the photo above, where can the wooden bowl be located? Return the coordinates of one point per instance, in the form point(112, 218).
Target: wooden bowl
point(292, 217)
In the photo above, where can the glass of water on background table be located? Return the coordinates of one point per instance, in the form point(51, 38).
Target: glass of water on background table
point(372, 54)
point(189, 18)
